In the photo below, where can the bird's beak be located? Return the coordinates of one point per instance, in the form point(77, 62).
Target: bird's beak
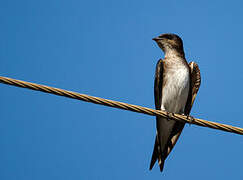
point(157, 39)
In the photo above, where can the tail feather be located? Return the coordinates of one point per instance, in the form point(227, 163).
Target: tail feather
point(160, 153)
point(157, 155)
point(161, 164)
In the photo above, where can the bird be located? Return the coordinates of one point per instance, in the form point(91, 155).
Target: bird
point(176, 84)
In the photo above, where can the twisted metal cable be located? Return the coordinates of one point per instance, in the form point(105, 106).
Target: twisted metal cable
point(120, 105)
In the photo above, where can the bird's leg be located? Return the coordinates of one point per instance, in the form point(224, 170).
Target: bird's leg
point(169, 115)
point(190, 118)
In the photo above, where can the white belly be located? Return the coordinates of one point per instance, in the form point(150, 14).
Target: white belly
point(176, 89)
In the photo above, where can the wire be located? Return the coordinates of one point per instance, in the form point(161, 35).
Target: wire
point(120, 105)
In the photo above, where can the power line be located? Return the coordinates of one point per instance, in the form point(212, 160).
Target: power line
point(120, 105)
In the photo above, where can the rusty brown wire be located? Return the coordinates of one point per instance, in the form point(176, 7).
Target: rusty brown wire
point(120, 105)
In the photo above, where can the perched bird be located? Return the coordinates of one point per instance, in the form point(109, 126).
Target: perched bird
point(175, 88)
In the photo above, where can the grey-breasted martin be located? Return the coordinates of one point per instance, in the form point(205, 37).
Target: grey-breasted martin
point(175, 88)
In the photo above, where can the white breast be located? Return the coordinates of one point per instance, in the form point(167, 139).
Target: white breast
point(176, 89)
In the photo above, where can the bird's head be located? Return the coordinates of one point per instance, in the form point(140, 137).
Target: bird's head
point(170, 42)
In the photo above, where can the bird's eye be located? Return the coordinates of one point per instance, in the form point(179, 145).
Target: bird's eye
point(168, 36)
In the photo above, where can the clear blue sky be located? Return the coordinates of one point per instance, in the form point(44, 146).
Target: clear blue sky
point(105, 49)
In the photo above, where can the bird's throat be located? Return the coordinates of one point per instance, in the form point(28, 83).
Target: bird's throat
point(171, 53)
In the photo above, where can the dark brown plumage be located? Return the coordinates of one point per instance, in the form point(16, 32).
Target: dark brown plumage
point(172, 45)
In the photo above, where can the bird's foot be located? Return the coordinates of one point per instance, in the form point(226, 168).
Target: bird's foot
point(169, 115)
point(191, 119)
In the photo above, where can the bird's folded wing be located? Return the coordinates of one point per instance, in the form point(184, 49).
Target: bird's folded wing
point(158, 81)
